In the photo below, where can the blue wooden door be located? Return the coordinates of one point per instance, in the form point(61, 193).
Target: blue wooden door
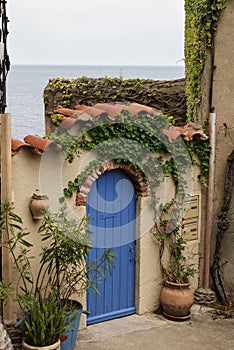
point(111, 207)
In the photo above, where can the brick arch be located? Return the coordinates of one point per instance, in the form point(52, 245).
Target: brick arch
point(140, 184)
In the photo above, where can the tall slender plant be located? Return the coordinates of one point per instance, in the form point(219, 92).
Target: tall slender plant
point(169, 231)
point(63, 264)
point(63, 268)
point(45, 297)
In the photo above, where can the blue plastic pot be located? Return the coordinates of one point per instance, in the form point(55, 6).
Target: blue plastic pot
point(68, 340)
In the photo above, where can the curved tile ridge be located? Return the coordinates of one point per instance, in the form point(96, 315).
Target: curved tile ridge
point(188, 132)
point(37, 142)
point(16, 145)
point(34, 143)
point(67, 122)
point(67, 112)
point(85, 110)
point(110, 110)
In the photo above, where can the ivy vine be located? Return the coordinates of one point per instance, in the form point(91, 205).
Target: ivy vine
point(200, 26)
point(140, 136)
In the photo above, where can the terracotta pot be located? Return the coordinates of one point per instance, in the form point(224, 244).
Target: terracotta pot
point(55, 346)
point(176, 299)
point(38, 206)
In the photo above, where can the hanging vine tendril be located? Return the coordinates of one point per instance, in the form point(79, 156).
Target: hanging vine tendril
point(4, 57)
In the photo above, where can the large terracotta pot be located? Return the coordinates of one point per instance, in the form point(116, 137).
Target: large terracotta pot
point(55, 346)
point(176, 299)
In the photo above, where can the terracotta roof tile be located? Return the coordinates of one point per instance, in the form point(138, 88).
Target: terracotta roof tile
point(37, 142)
point(82, 113)
point(67, 112)
point(16, 145)
point(188, 132)
point(94, 112)
point(138, 108)
point(81, 107)
point(68, 122)
point(172, 133)
point(110, 111)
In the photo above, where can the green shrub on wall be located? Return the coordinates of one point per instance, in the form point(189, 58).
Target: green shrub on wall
point(201, 17)
point(167, 96)
point(105, 139)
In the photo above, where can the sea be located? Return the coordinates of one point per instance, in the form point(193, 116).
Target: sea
point(26, 84)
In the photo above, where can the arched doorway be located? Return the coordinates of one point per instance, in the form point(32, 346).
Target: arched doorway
point(111, 205)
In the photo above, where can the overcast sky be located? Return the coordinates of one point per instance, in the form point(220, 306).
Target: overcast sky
point(96, 32)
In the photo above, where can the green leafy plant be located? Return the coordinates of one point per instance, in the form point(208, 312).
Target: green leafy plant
point(63, 265)
point(20, 249)
point(105, 138)
point(169, 228)
point(200, 26)
point(45, 322)
point(180, 268)
point(5, 292)
point(63, 268)
point(63, 271)
point(89, 91)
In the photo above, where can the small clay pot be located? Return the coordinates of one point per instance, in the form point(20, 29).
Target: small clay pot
point(38, 206)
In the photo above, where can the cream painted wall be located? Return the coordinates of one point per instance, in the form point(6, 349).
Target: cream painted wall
point(25, 181)
point(50, 174)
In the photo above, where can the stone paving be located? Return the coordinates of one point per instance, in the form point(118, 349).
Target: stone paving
point(204, 331)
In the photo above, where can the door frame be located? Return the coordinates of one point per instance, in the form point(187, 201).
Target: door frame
point(142, 200)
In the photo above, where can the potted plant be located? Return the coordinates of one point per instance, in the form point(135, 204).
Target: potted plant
point(64, 266)
point(44, 324)
point(62, 271)
point(176, 296)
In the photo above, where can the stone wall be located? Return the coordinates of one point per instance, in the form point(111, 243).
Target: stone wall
point(167, 96)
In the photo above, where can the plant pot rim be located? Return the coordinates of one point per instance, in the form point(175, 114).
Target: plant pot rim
point(177, 284)
point(46, 347)
point(72, 304)
point(40, 196)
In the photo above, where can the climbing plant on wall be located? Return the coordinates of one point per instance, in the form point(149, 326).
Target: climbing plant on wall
point(125, 140)
point(166, 96)
point(201, 18)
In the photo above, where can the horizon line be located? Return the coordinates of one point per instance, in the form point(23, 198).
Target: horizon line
point(97, 65)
